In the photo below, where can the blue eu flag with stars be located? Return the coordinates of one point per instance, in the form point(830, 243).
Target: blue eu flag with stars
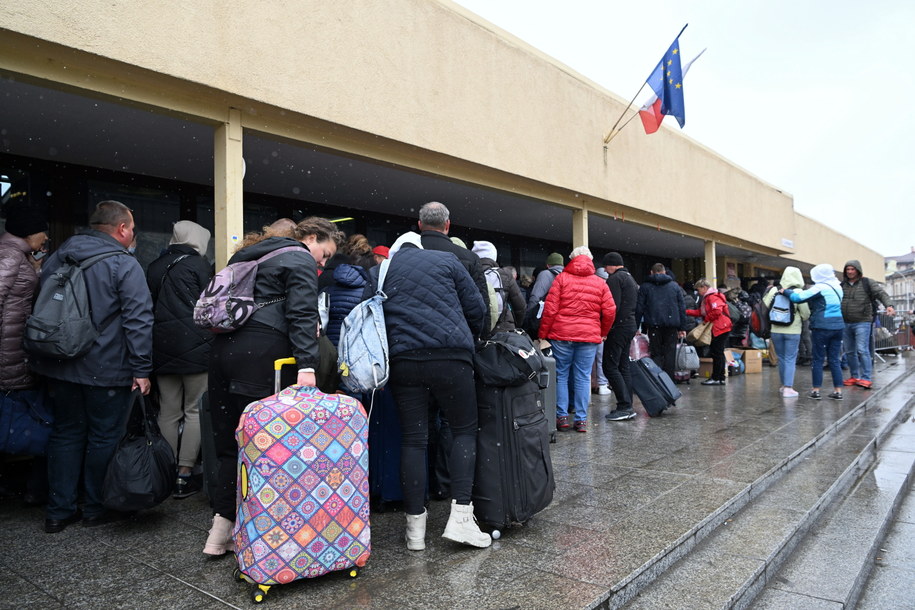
point(667, 82)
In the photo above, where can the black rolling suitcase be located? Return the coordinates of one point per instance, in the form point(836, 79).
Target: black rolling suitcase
point(514, 473)
point(384, 450)
point(653, 386)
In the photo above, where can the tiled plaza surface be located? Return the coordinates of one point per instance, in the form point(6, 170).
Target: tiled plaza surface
point(625, 491)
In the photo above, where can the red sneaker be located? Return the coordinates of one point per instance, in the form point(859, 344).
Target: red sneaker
point(863, 383)
point(581, 426)
point(851, 381)
point(562, 422)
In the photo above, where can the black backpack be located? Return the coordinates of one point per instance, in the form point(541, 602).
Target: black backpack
point(61, 322)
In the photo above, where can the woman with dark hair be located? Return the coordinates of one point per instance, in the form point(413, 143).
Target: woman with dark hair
point(241, 362)
point(349, 279)
point(714, 308)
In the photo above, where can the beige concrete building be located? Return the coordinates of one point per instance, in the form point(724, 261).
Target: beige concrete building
point(234, 113)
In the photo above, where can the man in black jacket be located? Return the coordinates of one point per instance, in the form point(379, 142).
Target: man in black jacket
point(624, 290)
point(660, 307)
point(181, 350)
point(434, 223)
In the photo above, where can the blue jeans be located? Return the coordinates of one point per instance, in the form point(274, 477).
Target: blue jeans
point(598, 366)
point(88, 423)
point(827, 343)
point(786, 348)
point(573, 359)
point(858, 349)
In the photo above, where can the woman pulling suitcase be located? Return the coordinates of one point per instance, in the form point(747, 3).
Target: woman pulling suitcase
point(241, 362)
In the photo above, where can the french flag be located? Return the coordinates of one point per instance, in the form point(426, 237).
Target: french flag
point(650, 113)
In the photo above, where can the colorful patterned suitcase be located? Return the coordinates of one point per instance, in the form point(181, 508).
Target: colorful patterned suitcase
point(303, 487)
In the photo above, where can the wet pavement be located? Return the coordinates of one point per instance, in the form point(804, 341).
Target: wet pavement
point(626, 491)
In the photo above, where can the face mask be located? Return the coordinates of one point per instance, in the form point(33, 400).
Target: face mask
point(132, 249)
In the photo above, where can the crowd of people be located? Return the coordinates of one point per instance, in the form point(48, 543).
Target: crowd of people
point(443, 298)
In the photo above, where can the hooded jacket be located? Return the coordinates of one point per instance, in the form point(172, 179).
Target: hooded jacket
point(579, 306)
point(714, 308)
point(176, 280)
point(121, 310)
point(824, 298)
point(660, 303)
point(791, 278)
point(859, 296)
point(18, 283)
point(344, 294)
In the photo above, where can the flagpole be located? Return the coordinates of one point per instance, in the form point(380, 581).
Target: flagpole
point(611, 135)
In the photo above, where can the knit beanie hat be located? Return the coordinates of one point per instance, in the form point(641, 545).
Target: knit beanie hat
point(485, 249)
point(613, 259)
point(555, 258)
point(23, 220)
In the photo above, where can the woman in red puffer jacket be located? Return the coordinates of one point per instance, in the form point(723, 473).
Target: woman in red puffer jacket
point(577, 315)
point(714, 309)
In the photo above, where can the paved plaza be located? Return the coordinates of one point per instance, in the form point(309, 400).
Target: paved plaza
point(626, 493)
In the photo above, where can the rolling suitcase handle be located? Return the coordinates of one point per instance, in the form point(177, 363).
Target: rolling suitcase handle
point(277, 369)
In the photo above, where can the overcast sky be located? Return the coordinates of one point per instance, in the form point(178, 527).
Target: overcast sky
point(814, 97)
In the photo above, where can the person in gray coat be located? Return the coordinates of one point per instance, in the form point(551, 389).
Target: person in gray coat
point(90, 394)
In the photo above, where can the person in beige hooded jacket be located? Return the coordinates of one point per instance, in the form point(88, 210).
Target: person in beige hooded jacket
point(787, 338)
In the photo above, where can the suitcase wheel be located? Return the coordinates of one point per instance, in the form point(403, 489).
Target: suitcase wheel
point(259, 593)
point(496, 534)
point(353, 572)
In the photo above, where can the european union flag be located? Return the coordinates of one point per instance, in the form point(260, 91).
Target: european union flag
point(667, 83)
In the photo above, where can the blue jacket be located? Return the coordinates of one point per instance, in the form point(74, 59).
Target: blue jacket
point(660, 303)
point(344, 294)
point(824, 298)
point(121, 309)
point(433, 305)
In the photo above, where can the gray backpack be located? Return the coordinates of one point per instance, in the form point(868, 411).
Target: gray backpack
point(362, 355)
point(61, 323)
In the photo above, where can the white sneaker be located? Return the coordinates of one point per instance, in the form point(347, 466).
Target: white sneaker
point(462, 527)
point(220, 538)
point(416, 531)
point(604, 390)
point(789, 393)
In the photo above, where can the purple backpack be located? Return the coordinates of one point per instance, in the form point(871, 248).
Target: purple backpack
point(228, 300)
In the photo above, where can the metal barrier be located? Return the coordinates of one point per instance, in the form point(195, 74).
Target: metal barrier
point(893, 333)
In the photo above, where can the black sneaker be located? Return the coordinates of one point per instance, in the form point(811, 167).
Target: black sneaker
point(712, 382)
point(814, 394)
point(620, 415)
point(186, 487)
point(836, 395)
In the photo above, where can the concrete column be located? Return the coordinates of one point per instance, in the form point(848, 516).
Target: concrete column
point(228, 188)
point(711, 264)
point(579, 228)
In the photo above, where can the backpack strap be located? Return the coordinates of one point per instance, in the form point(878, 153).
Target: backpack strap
point(88, 262)
point(169, 268)
point(382, 273)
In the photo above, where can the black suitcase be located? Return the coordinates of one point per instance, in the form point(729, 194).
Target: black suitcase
point(653, 386)
point(514, 473)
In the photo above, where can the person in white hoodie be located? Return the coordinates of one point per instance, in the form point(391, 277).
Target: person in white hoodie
point(826, 325)
point(787, 337)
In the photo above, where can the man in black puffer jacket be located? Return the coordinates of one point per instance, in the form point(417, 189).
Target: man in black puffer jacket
point(432, 313)
point(181, 351)
point(435, 222)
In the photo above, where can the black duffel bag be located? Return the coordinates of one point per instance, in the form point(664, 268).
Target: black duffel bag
point(508, 359)
point(141, 474)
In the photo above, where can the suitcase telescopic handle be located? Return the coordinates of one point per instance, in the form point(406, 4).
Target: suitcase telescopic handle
point(277, 368)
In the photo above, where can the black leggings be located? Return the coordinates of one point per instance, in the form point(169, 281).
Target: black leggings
point(716, 348)
point(241, 371)
point(415, 384)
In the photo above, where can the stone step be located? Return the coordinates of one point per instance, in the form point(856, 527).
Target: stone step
point(833, 563)
point(730, 565)
point(893, 572)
